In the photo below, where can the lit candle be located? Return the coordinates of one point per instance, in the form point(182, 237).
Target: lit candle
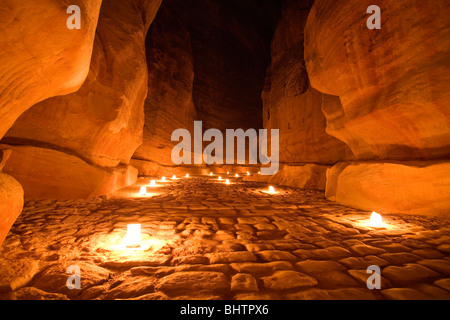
point(220, 178)
point(376, 220)
point(163, 179)
point(152, 183)
point(174, 177)
point(133, 237)
point(248, 173)
point(228, 172)
point(143, 191)
point(187, 175)
point(259, 172)
point(227, 181)
point(210, 173)
point(271, 190)
point(236, 175)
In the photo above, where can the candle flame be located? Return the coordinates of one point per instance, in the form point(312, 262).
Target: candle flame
point(236, 175)
point(376, 220)
point(152, 183)
point(133, 237)
point(174, 177)
point(163, 179)
point(248, 173)
point(187, 175)
point(143, 191)
point(227, 181)
point(271, 190)
point(220, 178)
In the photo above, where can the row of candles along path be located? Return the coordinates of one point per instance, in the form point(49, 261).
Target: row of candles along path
point(143, 191)
point(133, 236)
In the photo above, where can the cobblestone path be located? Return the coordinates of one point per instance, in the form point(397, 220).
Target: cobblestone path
point(202, 239)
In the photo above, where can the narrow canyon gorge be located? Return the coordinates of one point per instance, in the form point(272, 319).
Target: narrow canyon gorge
point(87, 117)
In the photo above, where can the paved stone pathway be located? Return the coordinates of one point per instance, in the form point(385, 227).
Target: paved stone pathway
point(202, 239)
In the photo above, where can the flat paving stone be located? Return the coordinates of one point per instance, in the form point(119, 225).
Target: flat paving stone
point(261, 269)
point(365, 250)
point(275, 255)
point(443, 283)
point(230, 257)
point(399, 258)
point(193, 281)
point(409, 274)
point(244, 282)
point(287, 279)
point(441, 266)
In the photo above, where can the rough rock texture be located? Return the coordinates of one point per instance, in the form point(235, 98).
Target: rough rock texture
point(393, 83)
point(17, 273)
point(309, 176)
point(11, 203)
point(169, 105)
point(231, 51)
point(84, 141)
point(56, 64)
point(222, 50)
point(413, 188)
point(4, 156)
point(11, 197)
point(102, 122)
point(230, 54)
point(51, 174)
point(290, 103)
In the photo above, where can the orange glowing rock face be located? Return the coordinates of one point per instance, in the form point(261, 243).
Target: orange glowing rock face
point(376, 220)
point(133, 237)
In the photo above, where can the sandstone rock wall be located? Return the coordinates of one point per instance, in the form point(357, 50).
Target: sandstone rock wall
point(290, 103)
point(51, 174)
point(102, 122)
point(230, 47)
point(393, 87)
point(307, 176)
point(389, 187)
point(39, 56)
point(11, 198)
point(207, 62)
point(393, 82)
point(169, 104)
point(97, 129)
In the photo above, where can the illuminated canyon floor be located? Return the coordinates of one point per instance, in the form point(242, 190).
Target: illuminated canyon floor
point(203, 239)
